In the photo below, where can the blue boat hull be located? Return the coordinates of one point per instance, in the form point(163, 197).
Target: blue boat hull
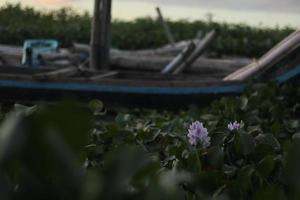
point(143, 93)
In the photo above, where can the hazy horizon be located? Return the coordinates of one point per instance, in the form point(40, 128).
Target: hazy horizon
point(256, 12)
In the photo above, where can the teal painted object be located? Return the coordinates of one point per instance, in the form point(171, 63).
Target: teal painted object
point(33, 49)
point(290, 74)
point(88, 87)
point(92, 87)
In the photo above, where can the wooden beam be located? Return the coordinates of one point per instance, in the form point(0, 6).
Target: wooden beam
point(101, 35)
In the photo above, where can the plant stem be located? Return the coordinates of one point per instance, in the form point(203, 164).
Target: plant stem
point(198, 159)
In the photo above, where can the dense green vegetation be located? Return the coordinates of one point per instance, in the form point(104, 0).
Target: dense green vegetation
point(80, 152)
point(70, 151)
point(18, 23)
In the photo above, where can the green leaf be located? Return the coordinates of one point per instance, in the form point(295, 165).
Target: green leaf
point(270, 192)
point(247, 144)
point(296, 136)
point(245, 177)
point(171, 179)
point(215, 156)
point(92, 186)
point(293, 165)
point(268, 139)
point(97, 107)
point(208, 117)
point(254, 130)
point(123, 118)
point(25, 109)
point(276, 128)
point(218, 192)
point(293, 124)
point(265, 166)
point(244, 103)
point(217, 139)
point(12, 136)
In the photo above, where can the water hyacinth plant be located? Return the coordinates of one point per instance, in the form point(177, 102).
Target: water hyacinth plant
point(234, 126)
point(198, 133)
point(146, 154)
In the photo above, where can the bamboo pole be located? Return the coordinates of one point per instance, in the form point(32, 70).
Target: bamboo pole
point(280, 51)
point(179, 59)
point(100, 35)
point(201, 47)
point(165, 26)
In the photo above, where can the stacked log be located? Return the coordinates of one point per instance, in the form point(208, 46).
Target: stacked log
point(157, 59)
point(149, 60)
point(157, 63)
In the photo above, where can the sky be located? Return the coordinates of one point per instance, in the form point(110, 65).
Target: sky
point(253, 12)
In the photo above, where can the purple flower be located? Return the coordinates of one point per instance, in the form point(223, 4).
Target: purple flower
point(234, 126)
point(197, 133)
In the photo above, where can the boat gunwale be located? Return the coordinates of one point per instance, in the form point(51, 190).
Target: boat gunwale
point(111, 85)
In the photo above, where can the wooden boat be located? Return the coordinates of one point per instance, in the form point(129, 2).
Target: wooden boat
point(150, 89)
point(133, 89)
